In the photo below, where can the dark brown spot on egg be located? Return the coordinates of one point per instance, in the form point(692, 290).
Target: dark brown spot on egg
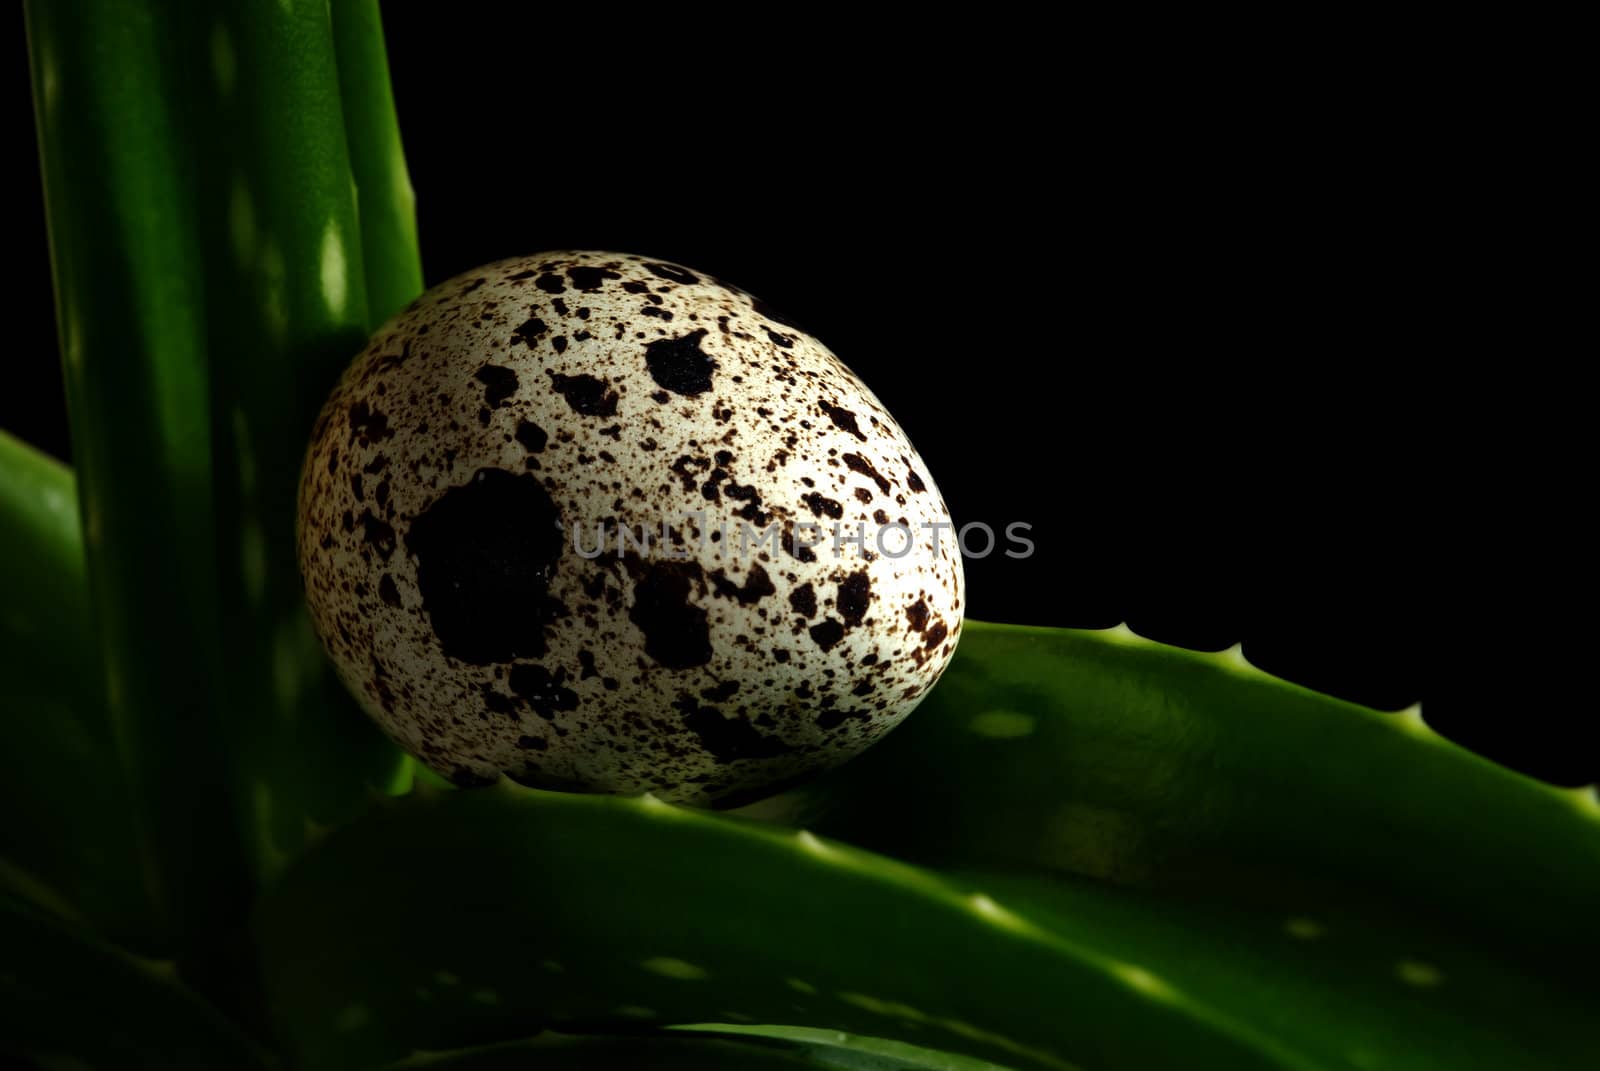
point(531, 436)
point(855, 595)
point(757, 585)
point(761, 308)
point(542, 691)
point(496, 703)
point(377, 534)
point(728, 738)
point(857, 463)
point(679, 364)
point(485, 554)
point(499, 383)
point(675, 630)
point(590, 277)
point(843, 419)
point(826, 634)
point(528, 331)
point(804, 600)
point(823, 506)
point(832, 719)
point(368, 424)
point(585, 394)
point(672, 273)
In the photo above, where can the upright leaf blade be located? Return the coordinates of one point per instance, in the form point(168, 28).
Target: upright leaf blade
point(386, 202)
point(130, 296)
point(287, 308)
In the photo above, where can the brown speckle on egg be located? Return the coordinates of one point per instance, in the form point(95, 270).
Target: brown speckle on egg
point(603, 523)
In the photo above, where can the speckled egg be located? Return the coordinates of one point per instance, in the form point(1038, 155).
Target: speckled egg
point(603, 523)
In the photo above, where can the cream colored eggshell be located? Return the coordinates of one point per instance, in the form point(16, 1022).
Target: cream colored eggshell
point(516, 401)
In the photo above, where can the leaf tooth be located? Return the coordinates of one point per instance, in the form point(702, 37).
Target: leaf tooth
point(653, 804)
point(1121, 633)
point(1586, 799)
point(814, 845)
point(1410, 720)
point(1233, 657)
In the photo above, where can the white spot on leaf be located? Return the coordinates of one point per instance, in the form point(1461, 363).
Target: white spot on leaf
point(1136, 977)
point(1002, 724)
point(1414, 972)
point(224, 65)
point(335, 270)
point(668, 967)
point(1302, 929)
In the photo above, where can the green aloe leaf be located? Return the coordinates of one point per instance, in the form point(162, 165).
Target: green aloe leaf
point(284, 244)
point(67, 1000)
point(728, 1049)
point(384, 198)
point(1346, 986)
point(470, 917)
point(208, 300)
point(118, 167)
point(1101, 753)
point(69, 838)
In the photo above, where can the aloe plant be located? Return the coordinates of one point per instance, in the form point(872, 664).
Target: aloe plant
point(1085, 850)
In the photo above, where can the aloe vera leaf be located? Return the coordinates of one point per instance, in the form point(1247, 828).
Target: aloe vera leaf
point(1345, 988)
point(70, 830)
point(279, 231)
point(471, 917)
point(69, 1000)
point(385, 199)
point(117, 169)
point(751, 1049)
point(1101, 753)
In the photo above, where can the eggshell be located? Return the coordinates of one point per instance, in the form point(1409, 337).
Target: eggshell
point(554, 523)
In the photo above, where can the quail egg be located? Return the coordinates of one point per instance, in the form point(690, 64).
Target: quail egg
point(603, 523)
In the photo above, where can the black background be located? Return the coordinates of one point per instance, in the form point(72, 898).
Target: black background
point(1191, 330)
